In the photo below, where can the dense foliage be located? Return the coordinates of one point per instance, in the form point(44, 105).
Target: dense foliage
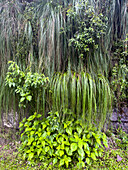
point(91, 27)
point(26, 84)
point(61, 142)
point(58, 36)
point(80, 94)
point(66, 60)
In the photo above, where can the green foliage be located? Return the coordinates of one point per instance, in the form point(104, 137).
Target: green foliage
point(24, 83)
point(62, 142)
point(119, 82)
point(116, 156)
point(121, 139)
point(110, 160)
point(38, 34)
point(10, 160)
point(91, 26)
point(82, 94)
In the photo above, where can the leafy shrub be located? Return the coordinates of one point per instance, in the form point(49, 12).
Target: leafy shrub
point(62, 143)
point(90, 28)
point(24, 83)
point(119, 82)
point(121, 139)
point(119, 79)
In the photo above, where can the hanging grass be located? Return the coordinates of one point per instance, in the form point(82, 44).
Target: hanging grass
point(82, 94)
point(38, 34)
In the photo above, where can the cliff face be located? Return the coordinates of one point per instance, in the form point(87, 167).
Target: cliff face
point(119, 121)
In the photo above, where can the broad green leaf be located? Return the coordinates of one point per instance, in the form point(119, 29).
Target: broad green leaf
point(39, 115)
point(38, 142)
point(104, 136)
point(26, 124)
point(31, 155)
point(58, 147)
point(88, 136)
point(36, 122)
point(66, 143)
point(65, 125)
point(46, 148)
point(31, 139)
point(39, 129)
point(24, 156)
point(61, 152)
point(100, 153)
point(87, 152)
point(85, 145)
point(29, 143)
point(74, 147)
point(105, 140)
point(105, 143)
point(69, 130)
point(31, 118)
point(80, 164)
point(61, 162)
point(55, 161)
point(70, 153)
point(67, 149)
point(24, 120)
point(60, 139)
point(88, 161)
point(80, 144)
point(32, 133)
point(39, 151)
point(28, 151)
point(29, 98)
point(81, 153)
point(44, 126)
point(62, 146)
point(39, 134)
point(67, 160)
point(72, 139)
point(79, 129)
point(54, 143)
point(28, 129)
point(43, 143)
point(57, 153)
point(38, 146)
point(22, 99)
point(34, 144)
point(23, 94)
point(76, 136)
point(21, 125)
point(35, 113)
point(93, 156)
point(51, 152)
point(96, 153)
point(98, 141)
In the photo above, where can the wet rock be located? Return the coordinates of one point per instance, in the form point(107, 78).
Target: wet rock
point(124, 120)
point(11, 120)
point(114, 117)
point(119, 121)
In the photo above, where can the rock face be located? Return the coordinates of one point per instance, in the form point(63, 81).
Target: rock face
point(120, 120)
point(11, 120)
point(116, 120)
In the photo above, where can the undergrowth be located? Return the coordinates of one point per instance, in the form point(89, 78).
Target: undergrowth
point(115, 156)
point(10, 160)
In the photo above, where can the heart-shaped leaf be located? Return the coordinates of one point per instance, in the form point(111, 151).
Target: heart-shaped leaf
point(74, 147)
